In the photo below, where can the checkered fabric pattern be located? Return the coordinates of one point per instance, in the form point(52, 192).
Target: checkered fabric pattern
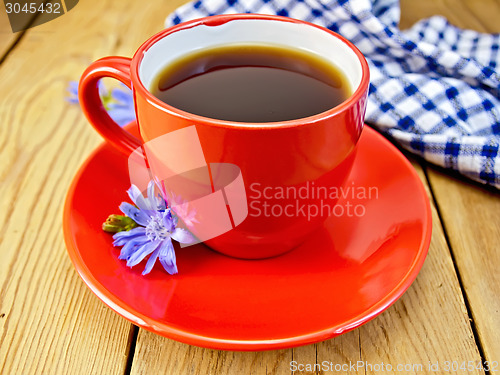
point(435, 89)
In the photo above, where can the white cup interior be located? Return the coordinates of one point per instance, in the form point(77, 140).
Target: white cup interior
point(255, 31)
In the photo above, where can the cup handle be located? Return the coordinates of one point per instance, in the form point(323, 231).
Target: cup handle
point(90, 101)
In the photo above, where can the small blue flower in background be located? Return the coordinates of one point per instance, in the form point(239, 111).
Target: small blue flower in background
point(73, 92)
point(154, 227)
point(119, 102)
point(121, 108)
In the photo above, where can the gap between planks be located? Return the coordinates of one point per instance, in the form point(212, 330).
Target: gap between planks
point(465, 297)
point(20, 36)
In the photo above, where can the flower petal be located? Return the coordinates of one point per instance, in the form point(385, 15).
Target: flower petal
point(151, 261)
point(123, 96)
point(156, 199)
point(183, 236)
point(73, 92)
point(151, 196)
point(73, 87)
point(122, 237)
point(140, 217)
point(134, 193)
point(168, 220)
point(142, 252)
point(167, 257)
point(132, 246)
point(103, 91)
point(122, 116)
point(160, 203)
point(136, 196)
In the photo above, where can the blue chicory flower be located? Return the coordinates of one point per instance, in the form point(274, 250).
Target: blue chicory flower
point(119, 102)
point(153, 236)
point(73, 92)
point(121, 107)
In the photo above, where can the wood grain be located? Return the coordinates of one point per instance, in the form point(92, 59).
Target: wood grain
point(470, 213)
point(431, 314)
point(471, 216)
point(157, 355)
point(50, 323)
point(7, 37)
point(480, 15)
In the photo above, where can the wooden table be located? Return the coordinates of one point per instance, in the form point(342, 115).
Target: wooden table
point(50, 322)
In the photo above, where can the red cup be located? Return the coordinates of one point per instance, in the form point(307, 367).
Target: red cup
point(288, 170)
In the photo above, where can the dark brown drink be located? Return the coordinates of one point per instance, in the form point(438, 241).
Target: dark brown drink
point(251, 83)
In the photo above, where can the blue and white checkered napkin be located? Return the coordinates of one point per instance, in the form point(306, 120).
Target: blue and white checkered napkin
point(435, 89)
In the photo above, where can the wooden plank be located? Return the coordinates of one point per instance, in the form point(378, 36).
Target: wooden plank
point(471, 216)
point(480, 15)
point(431, 319)
point(470, 213)
point(50, 323)
point(486, 12)
point(157, 355)
point(7, 37)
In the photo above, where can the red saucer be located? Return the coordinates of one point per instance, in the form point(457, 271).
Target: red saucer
point(349, 271)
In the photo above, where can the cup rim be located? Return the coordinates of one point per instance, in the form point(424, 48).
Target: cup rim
point(218, 20)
